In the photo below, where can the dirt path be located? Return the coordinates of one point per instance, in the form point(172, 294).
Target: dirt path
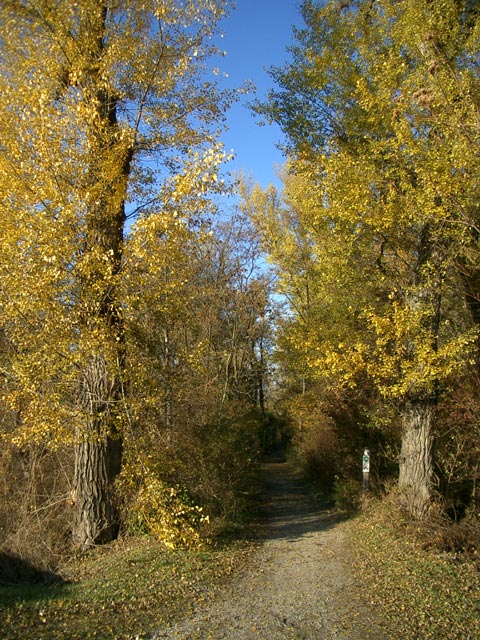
point(298, 585)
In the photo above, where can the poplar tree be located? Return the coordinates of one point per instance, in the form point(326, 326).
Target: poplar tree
point(380, 110)
point(107, 109)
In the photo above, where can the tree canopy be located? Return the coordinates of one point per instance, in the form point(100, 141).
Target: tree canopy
point(119, 117)
point(379, 107)
point(144, 363)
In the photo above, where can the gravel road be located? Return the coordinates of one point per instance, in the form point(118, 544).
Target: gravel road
point(298, 584)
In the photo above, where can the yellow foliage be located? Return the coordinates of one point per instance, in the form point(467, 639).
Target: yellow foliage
point(91, 131)
point(380, 194)
point(162, 511)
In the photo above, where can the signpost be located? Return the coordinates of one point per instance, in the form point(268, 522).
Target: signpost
point(366, 470)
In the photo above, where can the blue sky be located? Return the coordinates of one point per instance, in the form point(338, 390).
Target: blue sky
point(255, 37)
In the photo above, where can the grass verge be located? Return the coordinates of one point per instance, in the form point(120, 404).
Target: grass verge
point(423, 594)
point(128, 589)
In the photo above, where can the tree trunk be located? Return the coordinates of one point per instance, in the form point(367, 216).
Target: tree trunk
point(98, 457)
point(415, 478)
point(416, 464)
point(96, 516)
point(101, 389)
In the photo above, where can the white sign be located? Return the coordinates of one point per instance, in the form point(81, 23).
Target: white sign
point(366, 461)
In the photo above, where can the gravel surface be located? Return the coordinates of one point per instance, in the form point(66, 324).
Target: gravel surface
point(298, 584)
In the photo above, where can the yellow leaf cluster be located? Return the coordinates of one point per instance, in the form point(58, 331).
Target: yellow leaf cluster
point(378, 202)
point(114, 116)
point(164, 512)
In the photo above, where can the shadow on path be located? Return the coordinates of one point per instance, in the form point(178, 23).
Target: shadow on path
point(298, 583)
point(287, 509)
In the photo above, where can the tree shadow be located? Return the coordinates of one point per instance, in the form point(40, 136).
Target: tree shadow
point(18, 571)
point(288, 510)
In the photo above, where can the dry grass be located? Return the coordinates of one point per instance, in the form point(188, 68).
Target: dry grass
point(425, 589)
point(125, 590)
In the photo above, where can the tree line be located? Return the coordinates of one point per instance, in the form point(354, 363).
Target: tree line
point(143, 355)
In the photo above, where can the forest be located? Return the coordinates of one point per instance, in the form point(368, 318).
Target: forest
point(155, 342)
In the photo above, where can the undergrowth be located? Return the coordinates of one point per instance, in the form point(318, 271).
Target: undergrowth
point(424, 590)
point(128, 589)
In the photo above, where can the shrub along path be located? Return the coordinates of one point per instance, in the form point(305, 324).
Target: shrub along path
point(299, 583)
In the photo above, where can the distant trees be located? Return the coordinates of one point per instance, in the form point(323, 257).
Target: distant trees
point(197, 348)
point(379, 106)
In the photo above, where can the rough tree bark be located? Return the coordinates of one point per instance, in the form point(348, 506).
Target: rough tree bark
point(415, 477)
point(97, 460)
point(101, 388)
point(419, 406)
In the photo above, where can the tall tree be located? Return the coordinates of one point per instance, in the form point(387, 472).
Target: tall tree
point(364, 105)
point(117, 114)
